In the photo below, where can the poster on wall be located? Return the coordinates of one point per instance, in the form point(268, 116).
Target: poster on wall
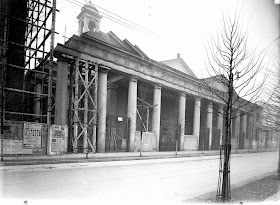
point(12, 130)
point(32, 135)
point(58, 138)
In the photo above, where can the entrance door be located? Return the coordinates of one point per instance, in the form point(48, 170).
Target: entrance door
point(167, 139)
point(116, 133)
point(204, 138)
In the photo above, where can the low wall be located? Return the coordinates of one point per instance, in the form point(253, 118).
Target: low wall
point(189, 143)
point(149, 142)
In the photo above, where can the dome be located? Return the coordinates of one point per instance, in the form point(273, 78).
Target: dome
point(90, 6)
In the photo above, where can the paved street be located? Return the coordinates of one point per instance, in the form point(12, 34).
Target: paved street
point(159, 181)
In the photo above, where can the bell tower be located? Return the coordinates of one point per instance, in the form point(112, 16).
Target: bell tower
point(89, 19)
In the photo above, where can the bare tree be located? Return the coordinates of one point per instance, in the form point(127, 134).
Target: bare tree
point(234, 82)
point(271, 115)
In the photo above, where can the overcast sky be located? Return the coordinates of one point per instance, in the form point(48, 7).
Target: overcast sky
point(178, 26)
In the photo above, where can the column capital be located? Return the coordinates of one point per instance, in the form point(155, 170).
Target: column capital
point(157, 86)
point(133, 78)
point(103, 69)
point(112, 86)
point(64, 57)
point(197, 98)
point(220, 106)
point(181, 93)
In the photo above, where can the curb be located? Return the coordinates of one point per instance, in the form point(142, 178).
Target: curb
point(81, 158)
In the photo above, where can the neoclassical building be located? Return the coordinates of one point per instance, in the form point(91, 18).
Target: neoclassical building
point(111, 95)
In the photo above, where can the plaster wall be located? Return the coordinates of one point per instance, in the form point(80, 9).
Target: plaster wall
point(190, 143)
point(149, 141)
point(122, 101)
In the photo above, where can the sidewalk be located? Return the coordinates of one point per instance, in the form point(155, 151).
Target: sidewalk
point(116, 156)
point(264, 189)
point(274, 197)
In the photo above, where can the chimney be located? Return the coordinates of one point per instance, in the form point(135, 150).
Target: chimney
point(178, 56)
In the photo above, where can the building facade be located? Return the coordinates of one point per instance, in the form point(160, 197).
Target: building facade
point(110, 93)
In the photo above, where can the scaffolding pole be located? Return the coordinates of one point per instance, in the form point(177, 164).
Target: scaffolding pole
point(39, 32)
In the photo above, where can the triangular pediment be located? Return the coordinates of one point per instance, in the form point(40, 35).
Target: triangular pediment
point(180, 65)
point(113, 40)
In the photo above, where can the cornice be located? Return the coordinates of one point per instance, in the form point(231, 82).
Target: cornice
point(107, 55)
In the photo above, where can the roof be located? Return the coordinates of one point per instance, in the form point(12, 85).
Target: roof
point(111, 39)
point(179, 64)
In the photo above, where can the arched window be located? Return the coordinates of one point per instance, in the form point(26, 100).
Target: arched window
point(92, 26)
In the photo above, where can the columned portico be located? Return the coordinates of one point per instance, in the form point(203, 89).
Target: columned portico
point(210, 122)
point(196, 119)
point(61, 93)
point(101, 107)
point(181, 118)
point(131, 111)
point(156, 113)
point(220, 122)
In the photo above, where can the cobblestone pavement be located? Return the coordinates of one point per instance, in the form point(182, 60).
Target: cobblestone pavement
point(252, 192)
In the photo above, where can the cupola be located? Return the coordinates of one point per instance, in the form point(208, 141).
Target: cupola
point(89, 19)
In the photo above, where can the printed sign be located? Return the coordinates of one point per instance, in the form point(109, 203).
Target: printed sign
point(32, 135)
point(58, 138)
point(14, 147)
point(12, 130)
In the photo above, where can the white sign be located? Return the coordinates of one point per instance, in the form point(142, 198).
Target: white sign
point(58, 138)
point(32, 135)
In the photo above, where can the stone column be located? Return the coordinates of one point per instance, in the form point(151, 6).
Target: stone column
point(220, 122)
point(86, 22)
point(37, 101)
point(131, 111)
point(156, 113)
point(248, 141)
point(244, 127)
point(61, 93)
point(210, 122)
point(196, 120)
point(181, 118)
point(101, 108)
point(237, 129)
